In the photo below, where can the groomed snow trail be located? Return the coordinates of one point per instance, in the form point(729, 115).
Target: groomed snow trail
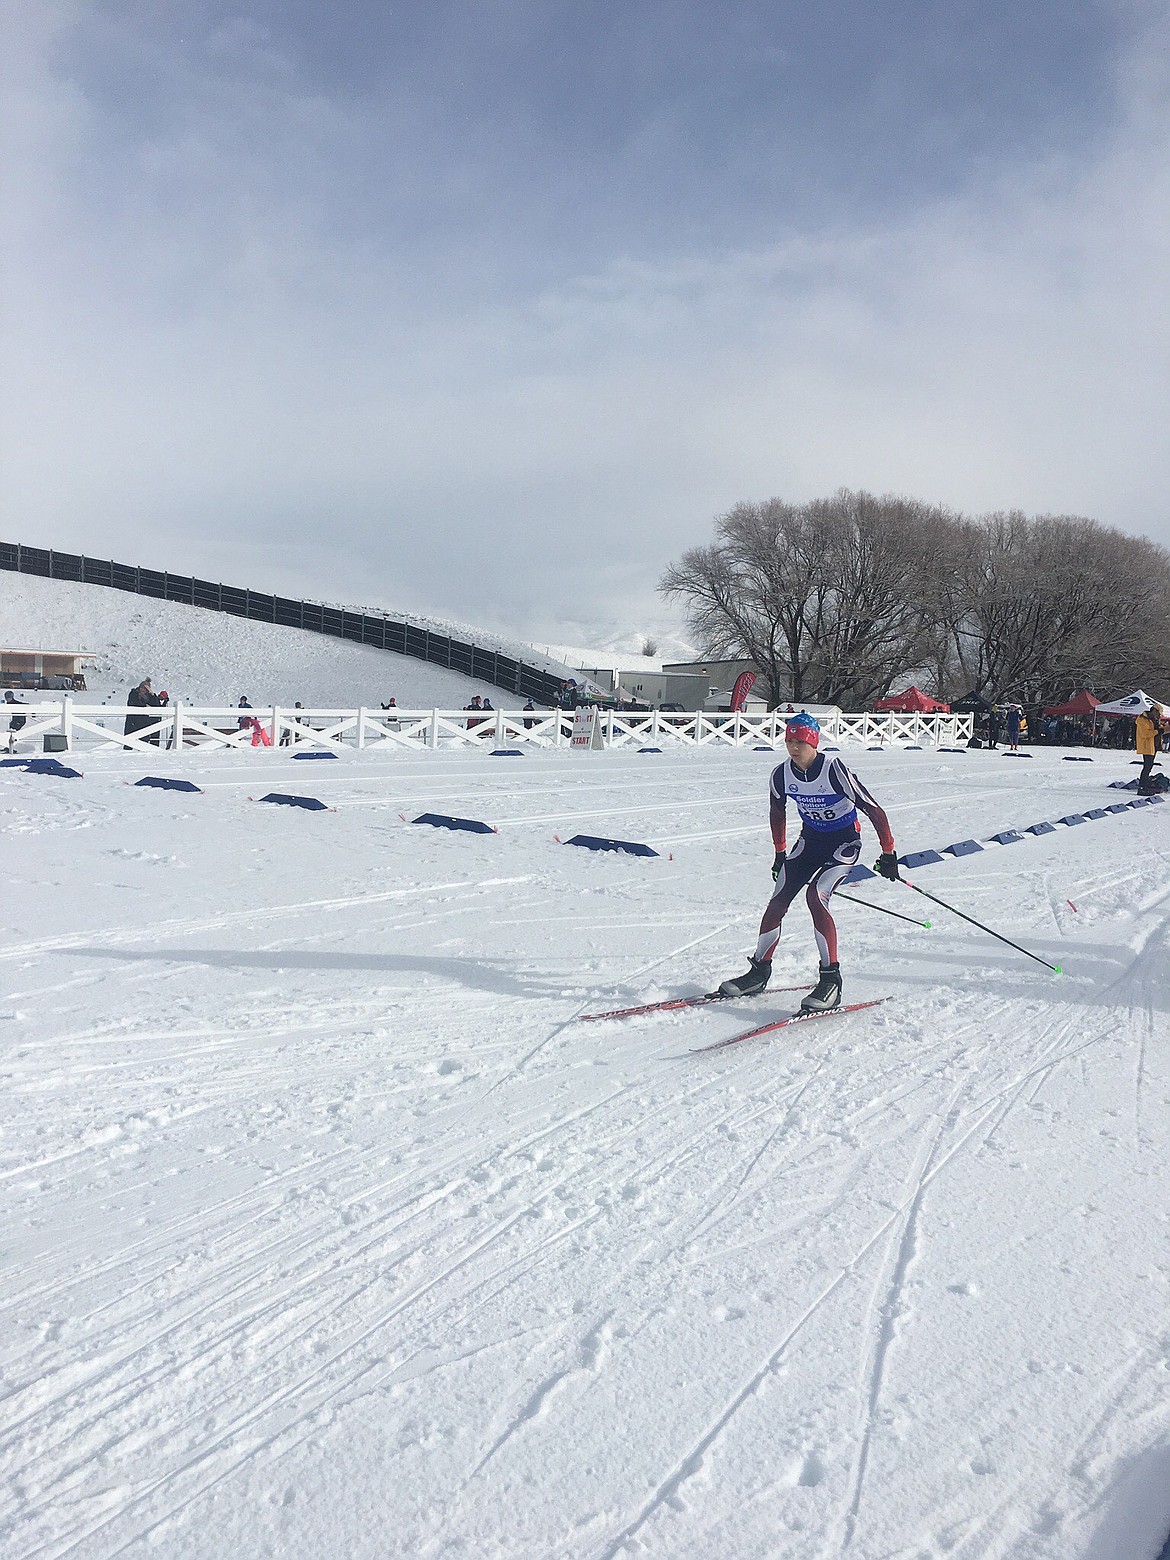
point(328, 1230)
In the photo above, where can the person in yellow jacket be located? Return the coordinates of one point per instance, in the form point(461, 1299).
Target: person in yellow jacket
point(1149, 742)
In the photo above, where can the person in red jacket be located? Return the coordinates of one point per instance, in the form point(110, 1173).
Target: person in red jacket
point(827, 796)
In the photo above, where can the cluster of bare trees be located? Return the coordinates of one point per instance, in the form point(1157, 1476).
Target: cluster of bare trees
point(836, 600)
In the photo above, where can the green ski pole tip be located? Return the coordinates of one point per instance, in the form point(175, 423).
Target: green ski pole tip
point(1058, 969)
point(927, 925)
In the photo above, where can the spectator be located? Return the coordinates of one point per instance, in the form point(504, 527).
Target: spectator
point(1148, 740)
point(528, 724)
point(142, 697)
point(16, 723)
point(286, 736)
point(155, 737)
point(245, 720)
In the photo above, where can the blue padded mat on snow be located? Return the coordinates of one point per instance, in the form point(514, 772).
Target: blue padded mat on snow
point(162, 783)
point(860, 874)
point(441, 821)
point(919, 858)
point(593, 842)
point(50, 766)
point(309, 803)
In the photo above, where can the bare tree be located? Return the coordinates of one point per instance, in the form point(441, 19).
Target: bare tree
point(835, 599)
point(1040, 607)
point(751, 592)
point(829, 600)
point(889, 558)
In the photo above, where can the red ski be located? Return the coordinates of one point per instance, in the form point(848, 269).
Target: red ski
point(783, 1023)
point(671, 1003)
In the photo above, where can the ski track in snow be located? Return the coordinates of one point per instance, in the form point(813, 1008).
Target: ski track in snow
point(330, 1230)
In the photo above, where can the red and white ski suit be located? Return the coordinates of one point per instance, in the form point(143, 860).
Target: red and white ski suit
point(827, 796)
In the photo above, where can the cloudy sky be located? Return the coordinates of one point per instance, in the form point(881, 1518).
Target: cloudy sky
point(488, 307)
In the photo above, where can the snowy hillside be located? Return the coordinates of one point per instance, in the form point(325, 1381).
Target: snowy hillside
point(332, 1229)
point(619, 649)
point(206, 657)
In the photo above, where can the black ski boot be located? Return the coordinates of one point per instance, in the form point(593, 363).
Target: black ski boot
point(750, 984)
point(826, 994)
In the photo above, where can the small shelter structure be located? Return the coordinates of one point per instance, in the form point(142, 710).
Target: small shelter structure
point(971, 704)
point(912, 701)
point(53, 669)
point(1133, 704)
point(1081, 704)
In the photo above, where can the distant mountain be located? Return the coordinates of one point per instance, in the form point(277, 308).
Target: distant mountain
point(617, 646)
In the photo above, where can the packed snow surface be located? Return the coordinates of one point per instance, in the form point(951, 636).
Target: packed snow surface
point(331, 1229)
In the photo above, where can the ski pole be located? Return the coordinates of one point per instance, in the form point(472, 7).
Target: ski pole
point(1055, 968)
point(869, 904)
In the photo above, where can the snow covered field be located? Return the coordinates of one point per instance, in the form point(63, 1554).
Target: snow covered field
point(329, 1232)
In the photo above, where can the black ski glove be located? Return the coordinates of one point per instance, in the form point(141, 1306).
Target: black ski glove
point(778, 864)
point(887, 865)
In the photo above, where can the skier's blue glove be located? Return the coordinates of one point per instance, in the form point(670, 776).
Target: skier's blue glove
point(887, 865)
point(778, 864)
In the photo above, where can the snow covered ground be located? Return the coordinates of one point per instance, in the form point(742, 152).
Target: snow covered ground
point(330, 1230)
point(202, 657)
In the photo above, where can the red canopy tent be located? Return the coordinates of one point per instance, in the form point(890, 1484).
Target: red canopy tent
point(1083, 703)
point(912, 701)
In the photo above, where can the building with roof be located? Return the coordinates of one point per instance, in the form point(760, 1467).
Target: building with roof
point(59, 670)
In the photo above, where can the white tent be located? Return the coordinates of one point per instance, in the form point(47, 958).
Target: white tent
point(1132, 704)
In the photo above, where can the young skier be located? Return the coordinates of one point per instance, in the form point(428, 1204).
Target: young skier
point(826, 795)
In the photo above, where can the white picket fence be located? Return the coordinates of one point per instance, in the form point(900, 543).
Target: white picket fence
point(102, 726)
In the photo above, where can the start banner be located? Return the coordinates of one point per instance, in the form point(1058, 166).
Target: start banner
point(587, 732)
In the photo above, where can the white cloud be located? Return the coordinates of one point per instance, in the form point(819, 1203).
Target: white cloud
point(223, 366)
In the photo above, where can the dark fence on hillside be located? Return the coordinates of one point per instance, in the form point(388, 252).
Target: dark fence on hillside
point(363, 628)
